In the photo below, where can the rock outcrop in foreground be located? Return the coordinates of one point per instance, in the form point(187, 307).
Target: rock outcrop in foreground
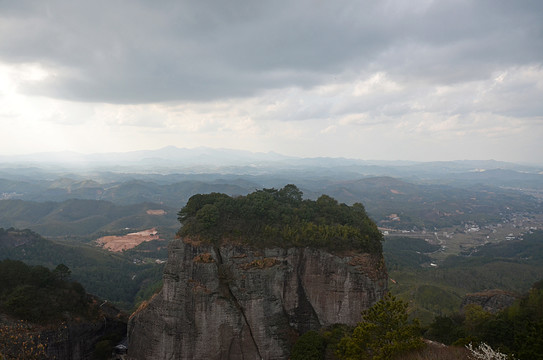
point(237, 302)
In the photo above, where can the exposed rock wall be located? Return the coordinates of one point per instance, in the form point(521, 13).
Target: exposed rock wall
point(76, 341)
point(492, 301)
point(233, 302)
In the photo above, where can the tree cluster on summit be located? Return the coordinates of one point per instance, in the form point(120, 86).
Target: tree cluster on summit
point(272, 217)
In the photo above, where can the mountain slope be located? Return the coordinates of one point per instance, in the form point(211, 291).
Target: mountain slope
point(83, 218)
point(110, 276)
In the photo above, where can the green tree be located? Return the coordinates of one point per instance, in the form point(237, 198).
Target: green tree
point(208, 216)
point(446, 329)
point(475, 318)
point(310, 346)
point(39, 295)
point(63, 272)
point(291, 193)
point(383, 333)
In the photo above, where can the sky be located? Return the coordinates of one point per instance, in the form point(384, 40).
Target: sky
point(415, 80)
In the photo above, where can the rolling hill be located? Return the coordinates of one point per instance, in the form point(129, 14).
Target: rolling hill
point(85, 219)
point(110, 276)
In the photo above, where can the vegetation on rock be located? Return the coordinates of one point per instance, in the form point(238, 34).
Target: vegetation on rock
point(43, 315)
point(20, 341)
point(36, 294)
point(271, 217)
point(386, 332)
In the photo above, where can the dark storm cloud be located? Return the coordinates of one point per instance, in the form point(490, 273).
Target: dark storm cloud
point(142, 51)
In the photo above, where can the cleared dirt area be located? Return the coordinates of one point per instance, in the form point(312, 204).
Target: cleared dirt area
point(158, 212)
point(128, 241)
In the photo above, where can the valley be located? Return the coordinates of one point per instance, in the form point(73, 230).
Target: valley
point(465, 238)
point(446, 235)
point(324, 180)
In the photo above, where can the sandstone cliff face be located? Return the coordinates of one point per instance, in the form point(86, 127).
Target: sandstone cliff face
point(233, 302)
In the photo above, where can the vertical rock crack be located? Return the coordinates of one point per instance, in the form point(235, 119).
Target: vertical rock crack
point(305, 309)
point(232, 297)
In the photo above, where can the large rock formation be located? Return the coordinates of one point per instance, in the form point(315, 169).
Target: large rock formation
point(236, 302)
point(492, 301)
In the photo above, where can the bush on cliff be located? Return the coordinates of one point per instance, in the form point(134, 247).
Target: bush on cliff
point(271, 217)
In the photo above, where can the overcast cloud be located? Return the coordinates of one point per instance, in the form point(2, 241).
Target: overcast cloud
point(417, 80)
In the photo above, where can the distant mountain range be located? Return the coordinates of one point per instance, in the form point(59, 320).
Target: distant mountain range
point(420, 193)
point(169, 157)
point(205, 160)
point(172, 164)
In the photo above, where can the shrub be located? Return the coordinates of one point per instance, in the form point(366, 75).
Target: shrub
point(383, 333)
point(310, 346)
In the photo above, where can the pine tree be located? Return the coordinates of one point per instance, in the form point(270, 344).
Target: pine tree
point(383, 333)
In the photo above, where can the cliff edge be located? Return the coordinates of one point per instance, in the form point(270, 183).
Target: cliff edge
point(238, 302)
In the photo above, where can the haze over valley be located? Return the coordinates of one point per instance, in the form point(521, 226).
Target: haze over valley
point(117, 216)
point(271, 179)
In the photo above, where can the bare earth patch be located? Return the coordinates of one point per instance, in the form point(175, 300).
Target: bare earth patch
point(158, 212)
point(128, 241)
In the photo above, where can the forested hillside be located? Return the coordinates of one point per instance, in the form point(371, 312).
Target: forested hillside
point(516, 330)
point(84, 219)
point(438, 290)
point(113, 277)
point(38, 294)
point(46, 315)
